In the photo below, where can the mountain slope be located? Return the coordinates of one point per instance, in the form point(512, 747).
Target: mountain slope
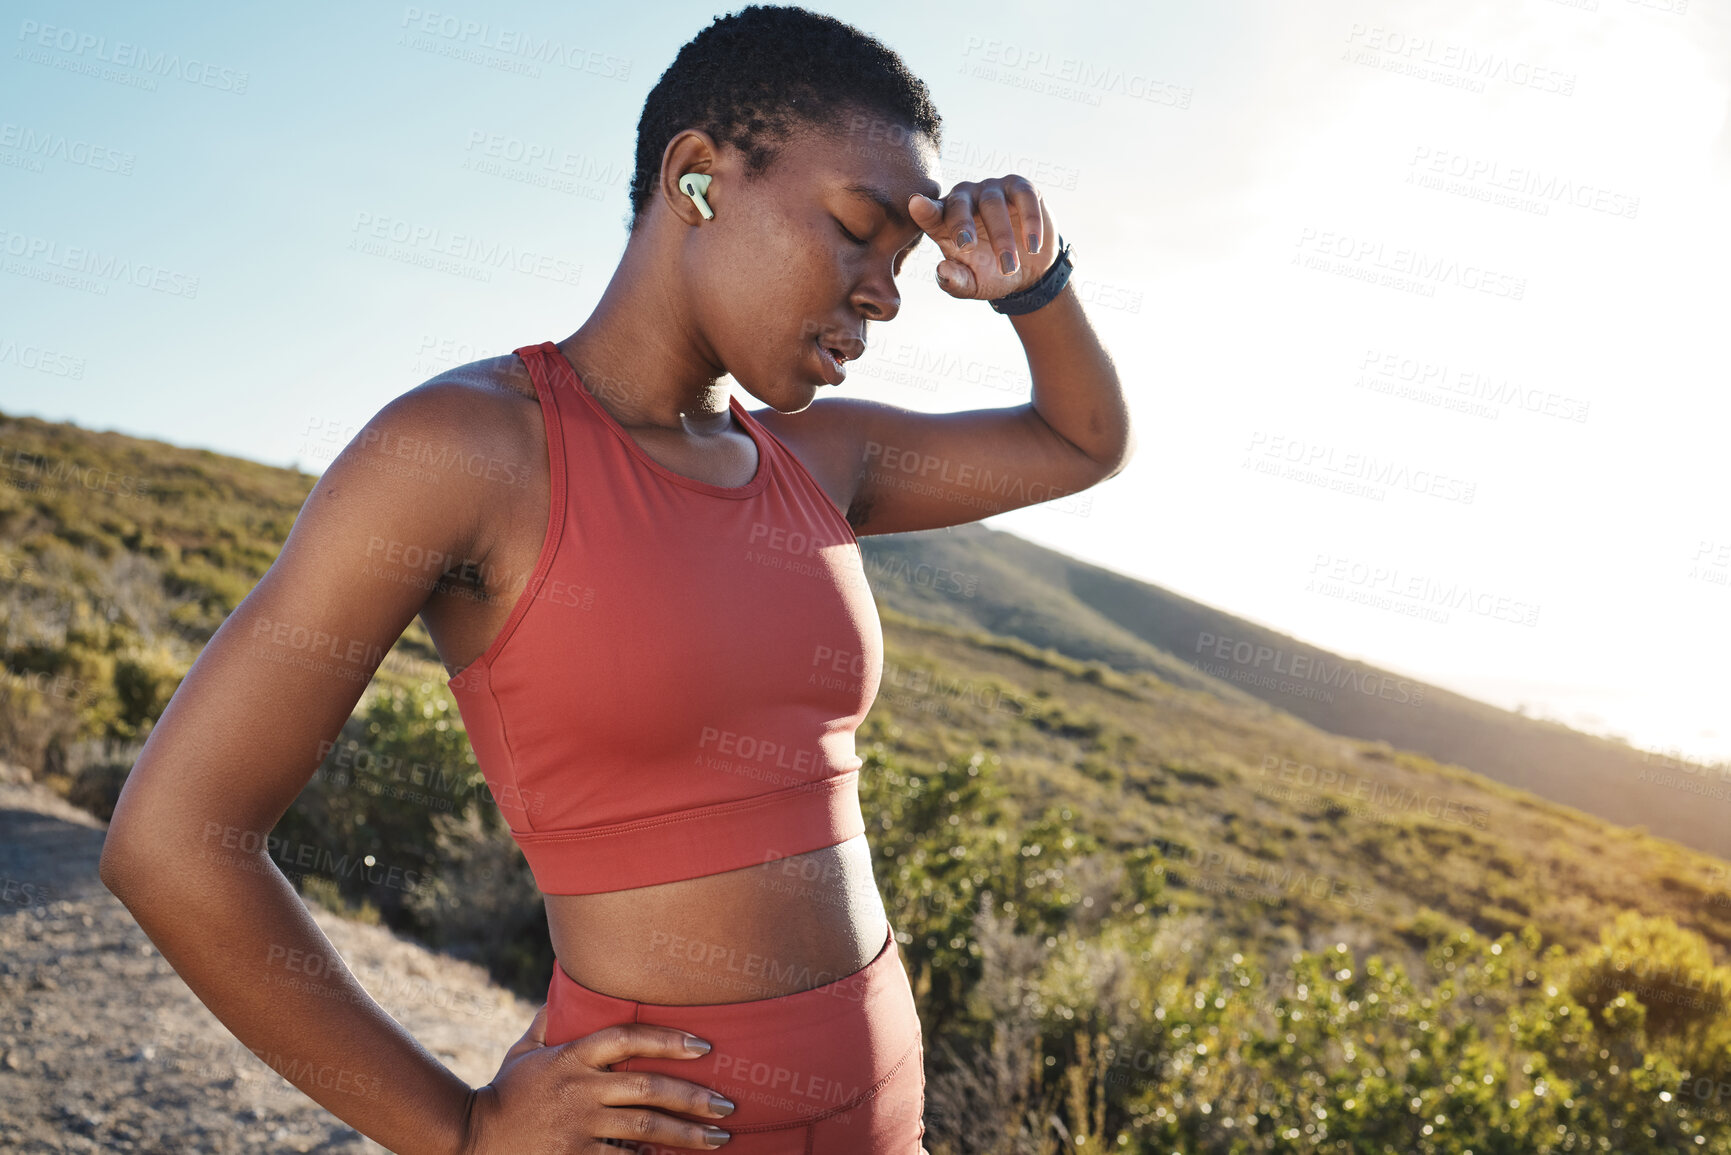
point(996, 581)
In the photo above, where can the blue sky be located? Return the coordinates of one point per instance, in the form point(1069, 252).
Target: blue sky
point(1405, 296)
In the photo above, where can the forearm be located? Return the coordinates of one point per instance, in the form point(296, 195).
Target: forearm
point(234, 929)
point(1075, 385)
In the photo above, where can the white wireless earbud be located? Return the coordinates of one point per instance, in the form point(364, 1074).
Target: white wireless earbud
point(694, 185)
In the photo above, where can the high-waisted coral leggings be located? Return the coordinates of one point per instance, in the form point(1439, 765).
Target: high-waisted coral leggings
point(834, 1070)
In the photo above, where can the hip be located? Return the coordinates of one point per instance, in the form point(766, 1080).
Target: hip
point(836, 1068)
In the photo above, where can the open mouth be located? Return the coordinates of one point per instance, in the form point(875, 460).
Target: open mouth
point(833, 359)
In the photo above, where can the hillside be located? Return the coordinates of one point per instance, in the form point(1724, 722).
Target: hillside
point(122, 555)
point(1107, 862)
point(1237, 804)
point(1001, 583)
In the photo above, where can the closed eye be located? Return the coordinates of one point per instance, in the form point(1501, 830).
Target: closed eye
point(849, 235)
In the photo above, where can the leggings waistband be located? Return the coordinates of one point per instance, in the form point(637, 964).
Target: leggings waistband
point(784, 1061)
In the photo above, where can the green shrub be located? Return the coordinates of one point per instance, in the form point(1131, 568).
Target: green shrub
point(144, 681)
point(403, 760)
point(1670, 970)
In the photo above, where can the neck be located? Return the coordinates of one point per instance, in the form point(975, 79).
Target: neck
point(640, 353)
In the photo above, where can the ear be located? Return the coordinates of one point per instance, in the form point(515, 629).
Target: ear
point(691, 150)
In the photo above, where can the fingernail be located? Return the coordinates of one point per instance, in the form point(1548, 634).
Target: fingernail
point(693, 1043)
point(1007, 262)
point(720, 1104)
point(964, 239)
point(1033, 243)
point(715, 1136)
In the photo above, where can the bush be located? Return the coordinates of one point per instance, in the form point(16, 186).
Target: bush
point(1670, 970)
point(403, 761)
point(96, 788)
point(328, 894)
point(400, 791)
point(144, 681)
point(481, 902)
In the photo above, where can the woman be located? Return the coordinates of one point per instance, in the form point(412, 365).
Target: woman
point(658, 629)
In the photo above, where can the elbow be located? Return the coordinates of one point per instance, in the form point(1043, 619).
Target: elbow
point(125, 869)
point(1114, 465)
point(1124, 455)
point(126, 841)
point(122, 862)
point(111, 867)
point(1130, 446)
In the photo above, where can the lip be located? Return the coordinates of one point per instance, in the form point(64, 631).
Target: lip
point(834, 372)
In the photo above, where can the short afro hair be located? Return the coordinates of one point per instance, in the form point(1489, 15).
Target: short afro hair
point(751, 79)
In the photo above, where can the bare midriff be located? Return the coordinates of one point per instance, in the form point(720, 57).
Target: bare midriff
point(769, 929)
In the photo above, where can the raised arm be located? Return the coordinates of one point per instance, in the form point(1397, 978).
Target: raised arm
point(895, 470)
point(186, 849)
point(912, 471)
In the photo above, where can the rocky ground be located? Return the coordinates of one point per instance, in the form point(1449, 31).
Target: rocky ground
point(104, 1048)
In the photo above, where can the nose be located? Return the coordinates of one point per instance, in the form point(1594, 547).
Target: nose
point(876, 296)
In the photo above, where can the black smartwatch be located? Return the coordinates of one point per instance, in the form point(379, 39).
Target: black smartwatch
point(1041, 292)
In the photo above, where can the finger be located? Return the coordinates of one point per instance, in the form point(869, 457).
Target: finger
point(925, 211)
point(959, 230)
point(930, 213)
point(653, 1127)
point(650, 1089)
point(958, 240)
point(1030, 210)
point(1000, 239)
point(956, 279)
point(622, 1041)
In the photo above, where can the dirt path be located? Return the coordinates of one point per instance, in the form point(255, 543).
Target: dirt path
point(104, 1048)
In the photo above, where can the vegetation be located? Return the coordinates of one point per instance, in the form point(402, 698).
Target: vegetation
point(1141, 913)
point(1007, 586)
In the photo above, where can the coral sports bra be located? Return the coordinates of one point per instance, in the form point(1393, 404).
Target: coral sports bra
point(676, 689)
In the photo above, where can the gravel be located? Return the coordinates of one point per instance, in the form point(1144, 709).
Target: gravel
point(104, 1048)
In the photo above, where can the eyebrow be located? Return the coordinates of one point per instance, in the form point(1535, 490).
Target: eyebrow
point(879, 197)
point(895, 212)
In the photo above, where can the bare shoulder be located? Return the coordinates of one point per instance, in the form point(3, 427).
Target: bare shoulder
point(475, 432)
point(505, 373)
point(487, 407)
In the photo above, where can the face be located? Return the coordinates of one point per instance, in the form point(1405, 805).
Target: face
point(806, 255)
